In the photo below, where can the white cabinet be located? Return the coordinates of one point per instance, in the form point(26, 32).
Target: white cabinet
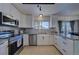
point(67, 46)
point(25, 21)
point(22, 21)
point(0, 7)
point(5, 8)
point(10, 10)
point(51, 40)
point(44, 39)
point(4, 48)
point(29, 21)
point(25, 40)
point(40, 39)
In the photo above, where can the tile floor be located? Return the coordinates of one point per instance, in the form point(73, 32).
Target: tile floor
point(40, 50)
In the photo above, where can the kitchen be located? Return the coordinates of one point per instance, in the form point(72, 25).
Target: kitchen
point(39, 29)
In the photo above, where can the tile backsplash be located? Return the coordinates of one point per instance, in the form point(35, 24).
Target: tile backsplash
point(5, 28)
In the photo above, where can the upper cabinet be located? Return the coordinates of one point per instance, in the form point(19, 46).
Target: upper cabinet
point(6, 8)
point(29, 21)
point(25, 21)
point(0, 7)
point(14, 12)
point(10, 10)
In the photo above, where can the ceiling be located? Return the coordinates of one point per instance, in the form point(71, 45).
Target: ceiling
point(49, 9)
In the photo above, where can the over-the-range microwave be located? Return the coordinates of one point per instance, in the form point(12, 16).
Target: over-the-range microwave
point(4, 20)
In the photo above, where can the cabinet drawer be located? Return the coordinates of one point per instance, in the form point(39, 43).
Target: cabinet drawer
point(69, 47)
point(69, 44)
point(69, 51)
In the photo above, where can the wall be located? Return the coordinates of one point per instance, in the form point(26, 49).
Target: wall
point(5, 28)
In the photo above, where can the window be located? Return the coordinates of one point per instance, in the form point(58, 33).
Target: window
point(45, 25)
point(41, 24)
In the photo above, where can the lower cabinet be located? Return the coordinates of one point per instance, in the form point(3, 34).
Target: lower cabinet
point(25, 39)
point(4, 48)
point(67, 46)
point(40, 39)
point(44, 39)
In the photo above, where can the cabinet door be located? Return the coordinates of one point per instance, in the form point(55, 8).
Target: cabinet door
point(46, 39)
point(69, 47)
point(0, 7)
point(43, 39)
point(22, 21)
point(51, 39)
point(25, 40)
point(6, 8)
point(28, 21)
point(76, 47)
point(40, 39)
point(4, 49)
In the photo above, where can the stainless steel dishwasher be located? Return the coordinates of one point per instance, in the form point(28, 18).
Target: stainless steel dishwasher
point(32, 39)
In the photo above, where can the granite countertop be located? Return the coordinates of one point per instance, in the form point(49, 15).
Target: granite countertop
point(68, 38)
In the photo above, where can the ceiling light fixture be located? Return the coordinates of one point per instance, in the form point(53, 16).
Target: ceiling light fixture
point(41, 15)
point(39, 7)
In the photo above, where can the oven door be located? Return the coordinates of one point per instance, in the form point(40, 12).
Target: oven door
point(19, 39)
point(12, 48)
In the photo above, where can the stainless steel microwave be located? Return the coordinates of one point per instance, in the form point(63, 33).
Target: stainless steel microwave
point(4, 20)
